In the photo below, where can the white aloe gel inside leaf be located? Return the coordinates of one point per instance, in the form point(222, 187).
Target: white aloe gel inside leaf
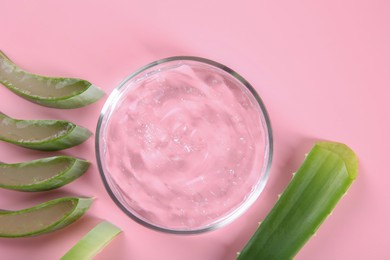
point(31, 130)
point(35, 220)
point(38, 86)
point(26, 174)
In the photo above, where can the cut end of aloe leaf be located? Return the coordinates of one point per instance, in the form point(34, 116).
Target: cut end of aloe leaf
point(89, 96)
point(93, 242)
point(311, 196)
point(65, 93)
point(43, 218)
point(47, 135)
point(43, 174)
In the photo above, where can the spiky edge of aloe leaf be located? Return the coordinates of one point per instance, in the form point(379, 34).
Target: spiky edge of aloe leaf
point(73, 137)
point(88, 95)
point(93, 242)
point(76, 168)
point(321, 181)
point(81, 205)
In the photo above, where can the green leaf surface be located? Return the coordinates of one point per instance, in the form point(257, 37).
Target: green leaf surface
point(46, 135)
point(55, 92)
point(93, 242)
point(312, 194)
point(42, 174)
point(43, 218)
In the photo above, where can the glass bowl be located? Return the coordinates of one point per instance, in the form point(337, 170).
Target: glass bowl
point(184, 145)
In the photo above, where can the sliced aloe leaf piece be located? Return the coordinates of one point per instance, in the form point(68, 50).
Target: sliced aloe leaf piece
point(43, 218)
point(93, 242)
point(321, 181)
point(48, 135)
point(47, 91)
point(43, 174)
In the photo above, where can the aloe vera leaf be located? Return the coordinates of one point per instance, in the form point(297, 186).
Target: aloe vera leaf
point(321, 181)
point(52, 92)
point(43, 218)
point(47, 135)
point(43, 174)
point(93, 242)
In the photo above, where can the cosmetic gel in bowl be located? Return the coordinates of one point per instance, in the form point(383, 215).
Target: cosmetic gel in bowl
point(184, 145)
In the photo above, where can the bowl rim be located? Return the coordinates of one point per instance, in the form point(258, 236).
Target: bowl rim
point(245, 205)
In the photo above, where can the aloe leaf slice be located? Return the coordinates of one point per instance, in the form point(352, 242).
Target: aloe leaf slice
point(321, 181)
point(43, 218)
point(43, 174)
point(53, 92)
point(47, 135)
point(93, 242)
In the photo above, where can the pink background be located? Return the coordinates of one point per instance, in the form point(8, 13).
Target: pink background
point(321, 67)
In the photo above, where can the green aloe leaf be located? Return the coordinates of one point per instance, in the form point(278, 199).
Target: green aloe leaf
point(53, 92)
point(47, 135)
point(43, 174)
point(43, 218)
point(321, 181)
point(93, 242)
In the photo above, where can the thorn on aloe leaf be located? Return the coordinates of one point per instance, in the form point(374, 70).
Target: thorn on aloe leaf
point(325, 175)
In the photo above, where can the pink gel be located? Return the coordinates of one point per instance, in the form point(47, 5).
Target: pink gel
point(185, 146)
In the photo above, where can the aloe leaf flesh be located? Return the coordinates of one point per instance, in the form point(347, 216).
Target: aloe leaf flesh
point(64, 93)
point(321, 181)
point(42, 174)
point(43, 218)
point(93, 242)
point(46, 135)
